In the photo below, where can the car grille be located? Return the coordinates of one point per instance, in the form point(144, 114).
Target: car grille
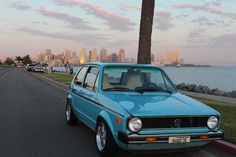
point(174, 122)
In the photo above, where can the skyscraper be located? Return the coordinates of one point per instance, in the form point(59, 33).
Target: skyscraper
point(160, 59)
point(93, 55)
point(121, 55)
point(82, 56)
point(66, 56)
point(172, 57)
point(40, 58)
point(73, 57)
point(103, 55)
point(47, 55)
point(114, 57)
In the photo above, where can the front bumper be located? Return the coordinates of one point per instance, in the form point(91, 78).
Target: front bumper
point(164, 138)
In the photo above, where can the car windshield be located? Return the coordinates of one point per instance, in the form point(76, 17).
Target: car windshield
point(138, 79)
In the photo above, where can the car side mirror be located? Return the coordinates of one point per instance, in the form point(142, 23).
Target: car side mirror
point(78, 83)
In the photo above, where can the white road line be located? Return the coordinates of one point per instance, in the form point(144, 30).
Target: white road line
point(3, 76)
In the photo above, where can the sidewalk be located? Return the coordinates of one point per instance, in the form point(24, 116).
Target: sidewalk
point(210, 97)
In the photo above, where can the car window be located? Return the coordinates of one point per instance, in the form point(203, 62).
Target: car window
point(80, 76)
point(96, 84)
point(123, 78)
point(90, 79)
point(169, 86)
point(157, 79)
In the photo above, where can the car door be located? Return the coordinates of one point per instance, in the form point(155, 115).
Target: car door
point(90, 109)
point(76, 89)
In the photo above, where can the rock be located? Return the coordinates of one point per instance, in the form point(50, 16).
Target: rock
point(198, 89)
point(192, 87)
point(216, 91)
point(181, 86)
point(221, 93)
point(205, 90)
point(233, 94)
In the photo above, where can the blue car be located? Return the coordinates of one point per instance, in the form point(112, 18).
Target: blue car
point(136, 107)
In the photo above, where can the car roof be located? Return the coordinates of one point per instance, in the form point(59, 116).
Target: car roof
point(103, 64)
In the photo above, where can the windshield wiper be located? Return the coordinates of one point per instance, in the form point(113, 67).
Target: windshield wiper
point(117, 89)
point(141, 90)
point(167, 91)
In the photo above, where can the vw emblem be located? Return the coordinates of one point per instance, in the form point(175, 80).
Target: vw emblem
point(177, 123)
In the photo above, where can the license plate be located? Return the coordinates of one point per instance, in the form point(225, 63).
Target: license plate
point(179, 139)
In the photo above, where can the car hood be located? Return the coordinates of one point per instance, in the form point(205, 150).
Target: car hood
point(161, 104)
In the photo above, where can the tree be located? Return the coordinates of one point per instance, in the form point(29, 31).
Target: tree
point(18, 59)
point(9, 61)
point(145, 33)
point(26, 60)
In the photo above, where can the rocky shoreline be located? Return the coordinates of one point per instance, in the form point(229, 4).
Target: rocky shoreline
point(205, 90)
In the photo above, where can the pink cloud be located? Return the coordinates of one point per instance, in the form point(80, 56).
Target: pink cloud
point(113, 20)
point(204, 7)
point(75, 22)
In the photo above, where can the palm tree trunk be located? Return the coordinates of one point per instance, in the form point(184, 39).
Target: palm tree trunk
point(145, 33)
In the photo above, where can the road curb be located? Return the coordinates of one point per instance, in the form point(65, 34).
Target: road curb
point(225, 145)
point(51, 82)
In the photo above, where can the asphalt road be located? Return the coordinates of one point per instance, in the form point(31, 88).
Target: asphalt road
point(32, 122)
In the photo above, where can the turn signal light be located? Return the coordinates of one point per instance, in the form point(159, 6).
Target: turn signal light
point(118, 121)
point(151, 139)
point(204, 137)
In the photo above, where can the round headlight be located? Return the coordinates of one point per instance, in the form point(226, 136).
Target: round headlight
point(212, 122)
point(135, 124)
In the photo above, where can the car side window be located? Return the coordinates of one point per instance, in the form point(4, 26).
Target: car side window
point(90, 79)
point(80, 76)
point(96, 84)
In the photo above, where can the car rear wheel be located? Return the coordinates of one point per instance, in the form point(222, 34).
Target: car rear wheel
point(105, 142)
point(69, 114)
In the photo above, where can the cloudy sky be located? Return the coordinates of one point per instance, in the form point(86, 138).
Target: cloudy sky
point(204, 31)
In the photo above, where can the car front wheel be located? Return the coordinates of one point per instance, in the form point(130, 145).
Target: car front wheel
point(70, 117)
point(105, 142)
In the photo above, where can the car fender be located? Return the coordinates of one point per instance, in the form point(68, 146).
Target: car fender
point(69, 99)
point(107, 118)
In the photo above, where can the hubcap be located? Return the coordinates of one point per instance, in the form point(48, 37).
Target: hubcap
point(101, 136)
point(68, 112)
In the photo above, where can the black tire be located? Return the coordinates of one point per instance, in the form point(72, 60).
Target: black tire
point(110, 144)
point(69, 115)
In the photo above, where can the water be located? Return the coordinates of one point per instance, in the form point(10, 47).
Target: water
point(223, 78)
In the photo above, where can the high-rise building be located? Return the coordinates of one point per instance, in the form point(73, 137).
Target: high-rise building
point(93, 55)
point(66, 56)
point(103, 55)
point(73, 57)
point(160, 59)
point(180, 60)
point(121, 55)
point(82, 56)
point(47, 55)
point(172, 57)
point(40, 58)
point(152, 58)
point(114, 57)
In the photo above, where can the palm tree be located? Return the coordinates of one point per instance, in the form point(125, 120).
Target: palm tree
point(145, 33)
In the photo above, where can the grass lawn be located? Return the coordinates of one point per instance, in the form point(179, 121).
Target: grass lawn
point(63, 78)
point(227, 111)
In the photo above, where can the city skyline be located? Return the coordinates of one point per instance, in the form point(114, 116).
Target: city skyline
point(203, 31)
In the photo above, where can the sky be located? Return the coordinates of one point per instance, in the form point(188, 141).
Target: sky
point(204, 31)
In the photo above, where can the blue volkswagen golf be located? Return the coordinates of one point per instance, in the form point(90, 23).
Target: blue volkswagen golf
point(136, 107)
